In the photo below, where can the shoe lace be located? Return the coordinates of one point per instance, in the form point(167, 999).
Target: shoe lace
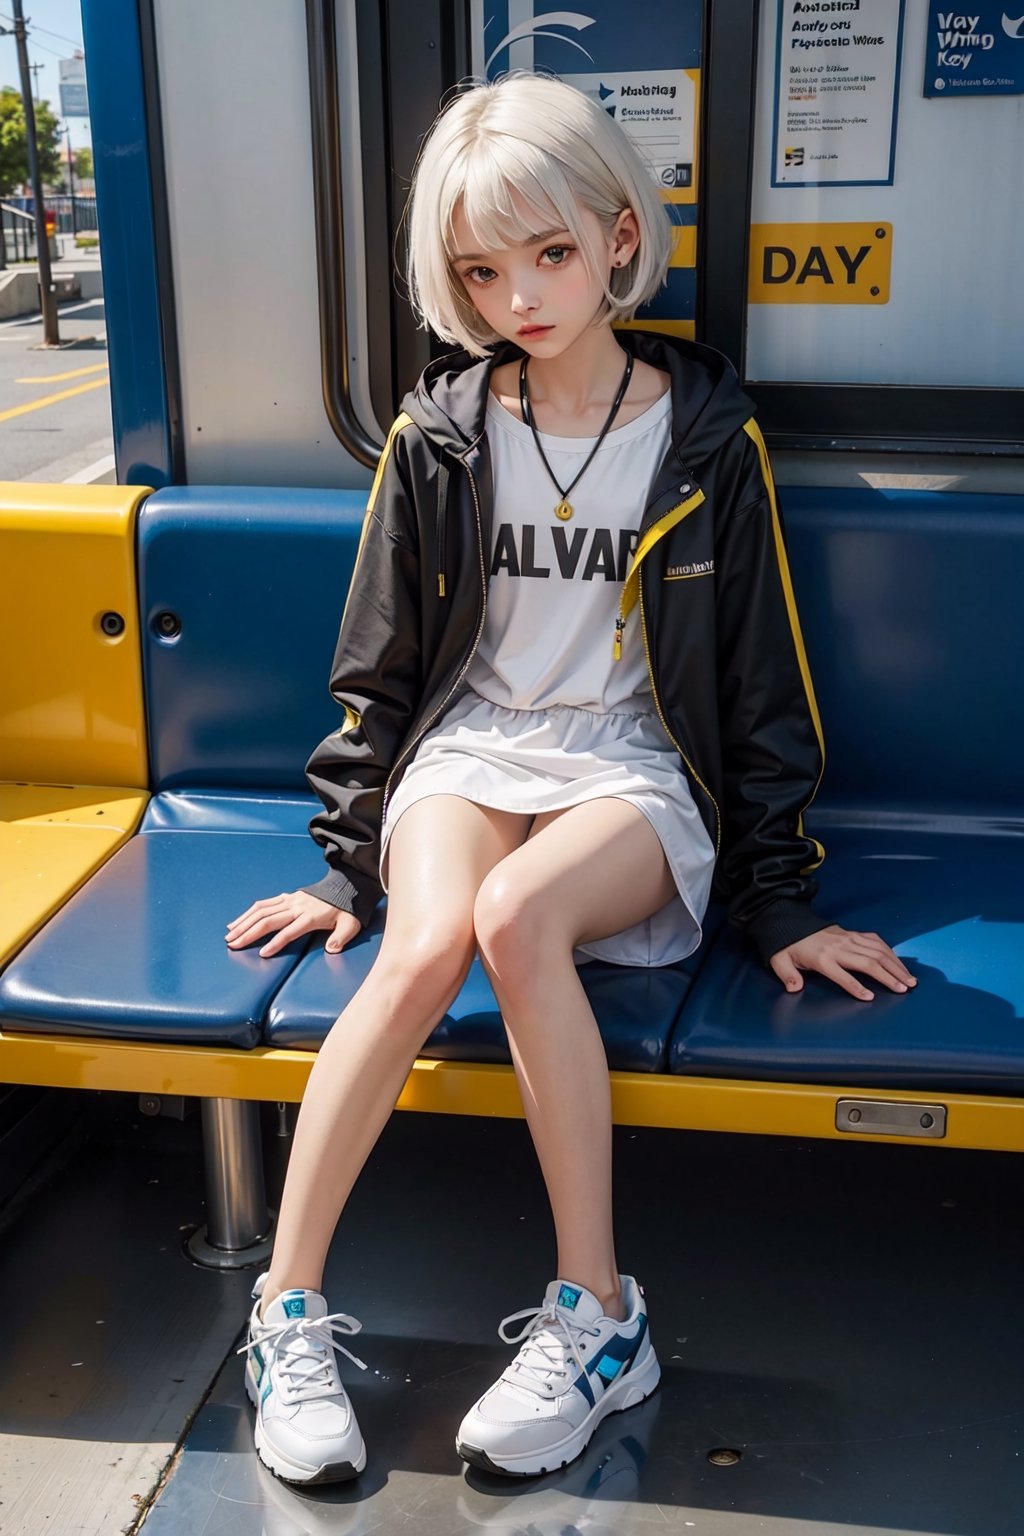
point(305, 1353)
point(550, 1338)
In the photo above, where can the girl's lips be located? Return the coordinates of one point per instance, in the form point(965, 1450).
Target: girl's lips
point(534, 330)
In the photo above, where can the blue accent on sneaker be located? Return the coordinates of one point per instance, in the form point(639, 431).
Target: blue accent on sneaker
point(259, 1363)
point(294, 1304)
point(568, 1297)
point(619, 1352)
point(582, 1385)
point(608, 1368)
point(266, 1391)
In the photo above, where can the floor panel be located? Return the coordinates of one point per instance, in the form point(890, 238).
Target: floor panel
point(847, 1317)
point(113, 1337)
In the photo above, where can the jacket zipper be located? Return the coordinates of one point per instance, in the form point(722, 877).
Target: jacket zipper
point(667, 728)
point(421, 731)
point(658, 530)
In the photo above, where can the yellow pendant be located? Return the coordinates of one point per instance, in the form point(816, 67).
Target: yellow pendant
point(563, 511)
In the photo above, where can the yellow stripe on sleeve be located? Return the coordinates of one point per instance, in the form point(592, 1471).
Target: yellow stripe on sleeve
point(400, 421)
point(754, 433)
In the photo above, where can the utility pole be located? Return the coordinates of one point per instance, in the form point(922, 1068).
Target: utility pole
point(51, 333)
point(35, 68)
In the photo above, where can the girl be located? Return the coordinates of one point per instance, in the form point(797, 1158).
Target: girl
point(574, 690)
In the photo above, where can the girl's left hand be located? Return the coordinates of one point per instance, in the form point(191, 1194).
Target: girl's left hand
point(835, 952)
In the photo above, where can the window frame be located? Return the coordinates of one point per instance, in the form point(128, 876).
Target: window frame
point(876, 417)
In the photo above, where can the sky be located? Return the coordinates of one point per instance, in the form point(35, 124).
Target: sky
point(54, 29)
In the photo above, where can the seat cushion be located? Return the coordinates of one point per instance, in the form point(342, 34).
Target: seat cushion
point(139, 952)
point(52, 838)
point(951, 903)
point(635, 1008)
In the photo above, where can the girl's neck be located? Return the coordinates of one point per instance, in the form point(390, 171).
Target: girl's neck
point(585, 375)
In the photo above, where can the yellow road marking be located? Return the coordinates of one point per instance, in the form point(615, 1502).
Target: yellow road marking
point(65, 394)
point(56, 378)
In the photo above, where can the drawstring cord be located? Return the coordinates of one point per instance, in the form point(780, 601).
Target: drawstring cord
point(442, 515)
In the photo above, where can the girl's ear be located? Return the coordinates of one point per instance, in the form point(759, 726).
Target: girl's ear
point(625, 238)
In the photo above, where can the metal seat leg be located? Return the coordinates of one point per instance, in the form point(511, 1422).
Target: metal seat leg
point(238, 1223)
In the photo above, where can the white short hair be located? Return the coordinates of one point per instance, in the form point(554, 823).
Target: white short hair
point(558, 150)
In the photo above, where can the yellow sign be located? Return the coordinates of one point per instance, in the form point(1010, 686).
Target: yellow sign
point(820, 263)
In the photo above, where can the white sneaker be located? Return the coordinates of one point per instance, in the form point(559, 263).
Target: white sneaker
point(575, 1367)
point(306, 1431)
point(288, 1510)
point(595, 1496)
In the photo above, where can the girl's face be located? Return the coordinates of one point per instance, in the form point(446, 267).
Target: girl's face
point(540, 294)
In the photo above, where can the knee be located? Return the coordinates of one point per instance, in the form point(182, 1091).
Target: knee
point(423, 970)
point(513, 928)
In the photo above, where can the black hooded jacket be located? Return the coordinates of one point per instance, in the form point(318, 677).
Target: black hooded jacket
point(709, 584)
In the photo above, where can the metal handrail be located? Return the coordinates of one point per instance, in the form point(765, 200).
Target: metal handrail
point(335, 374)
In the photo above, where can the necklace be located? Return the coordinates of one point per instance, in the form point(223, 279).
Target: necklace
point(563, 511)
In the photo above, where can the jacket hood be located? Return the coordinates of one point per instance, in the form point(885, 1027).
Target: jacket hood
point(449, 401)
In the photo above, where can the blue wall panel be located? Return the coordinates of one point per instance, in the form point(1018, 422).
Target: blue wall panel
point(121, 154)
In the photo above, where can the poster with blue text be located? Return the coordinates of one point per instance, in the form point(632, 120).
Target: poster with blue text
point(979, 52)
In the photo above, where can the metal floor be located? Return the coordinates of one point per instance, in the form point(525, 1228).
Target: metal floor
point(847, 1317)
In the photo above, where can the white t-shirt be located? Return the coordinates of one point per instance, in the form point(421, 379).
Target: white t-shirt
point(554, 589)
point(550, 719)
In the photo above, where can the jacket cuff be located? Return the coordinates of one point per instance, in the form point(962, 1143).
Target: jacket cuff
point(339, 891)
point(784, 922)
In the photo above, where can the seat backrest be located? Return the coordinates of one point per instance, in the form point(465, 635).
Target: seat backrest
point(241, 592)
point(71, 675)
point(911, 608)
point(909, 603)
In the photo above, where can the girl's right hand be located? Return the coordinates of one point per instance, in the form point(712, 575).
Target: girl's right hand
point(291, 914)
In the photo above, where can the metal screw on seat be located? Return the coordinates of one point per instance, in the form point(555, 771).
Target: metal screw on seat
point(167, 624)
point(112, 623)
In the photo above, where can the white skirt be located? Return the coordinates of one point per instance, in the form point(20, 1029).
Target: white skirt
point(534, 760)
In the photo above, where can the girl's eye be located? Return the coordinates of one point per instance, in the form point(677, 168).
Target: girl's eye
point(481, 276)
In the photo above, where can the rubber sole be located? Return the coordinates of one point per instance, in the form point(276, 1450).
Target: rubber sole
point(290, 1472)
point(637, 1389)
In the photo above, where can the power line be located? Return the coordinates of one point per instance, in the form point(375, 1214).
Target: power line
point(37, 44)
point(63, 39)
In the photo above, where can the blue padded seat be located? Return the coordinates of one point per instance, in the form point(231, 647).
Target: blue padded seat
point(241, 592)
point(237, 696)
point(951, 903)
point(910, 608)
point(139, 953)
point(635, 1008)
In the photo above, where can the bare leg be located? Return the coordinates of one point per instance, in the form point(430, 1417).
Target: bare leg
point(440, 851)
point(584, 874)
